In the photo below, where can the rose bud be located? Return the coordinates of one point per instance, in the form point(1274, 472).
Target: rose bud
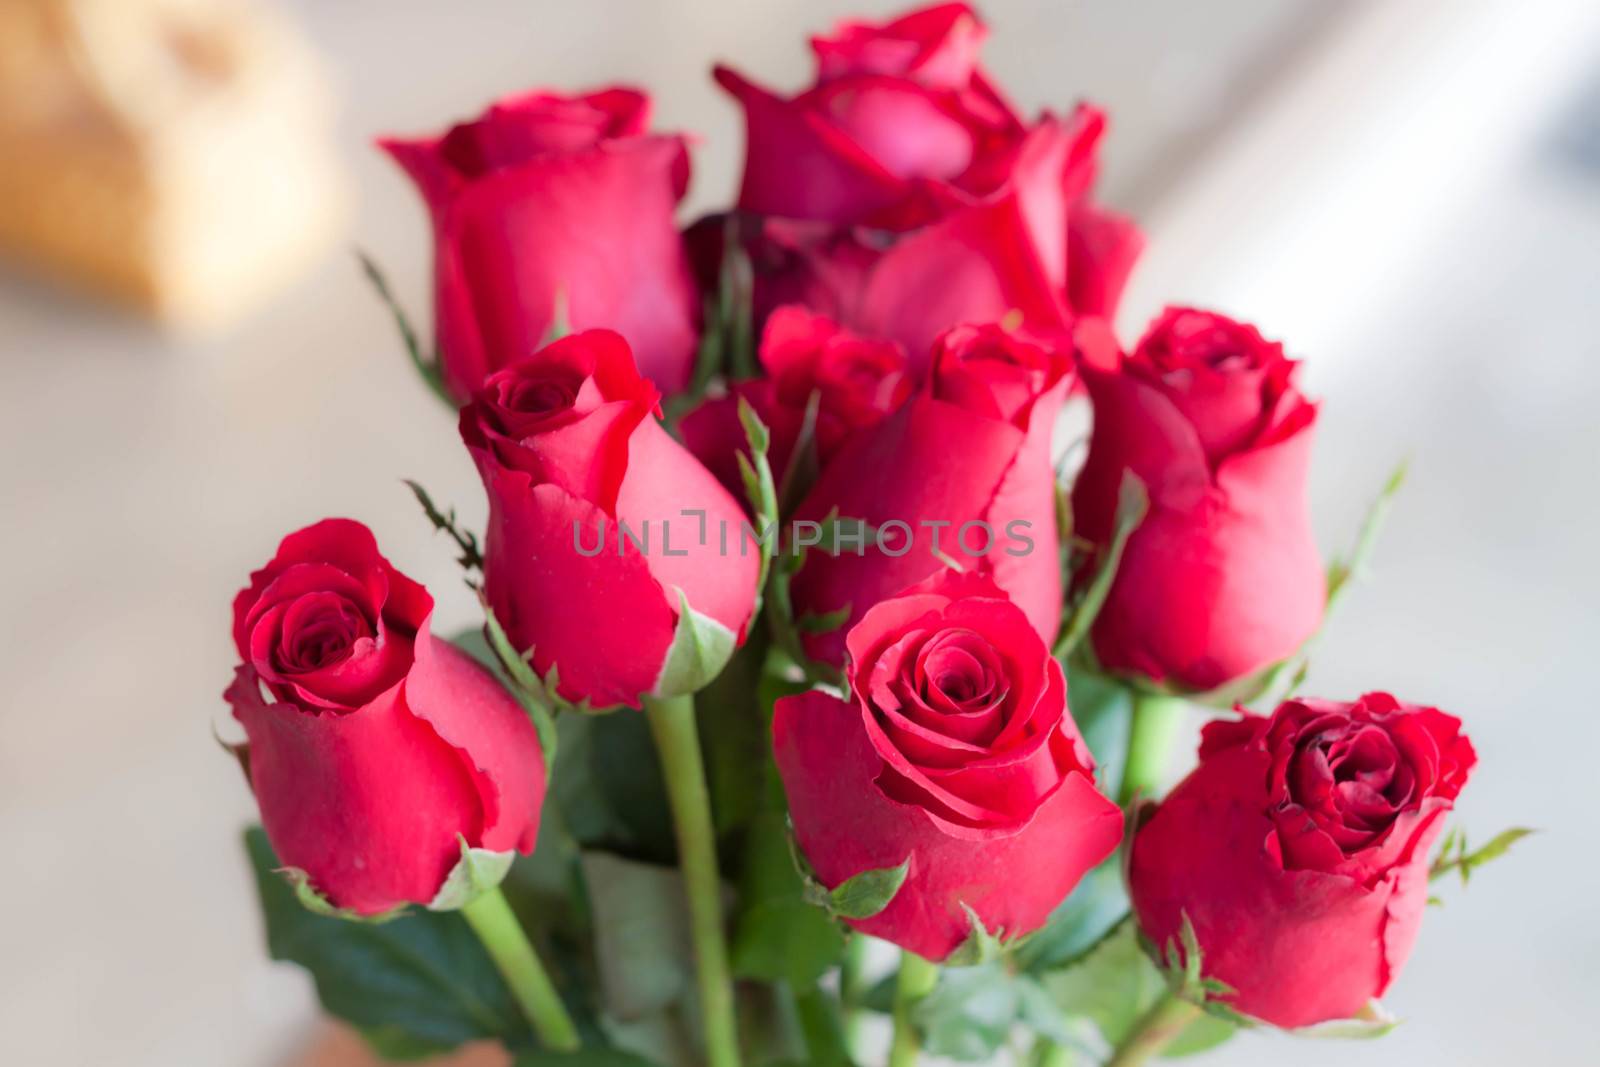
point(953, 753)
point(855, 382)
point(609, 546)
point(1298, 849)
point(959, 476)
point(549, 204)
point(375, 750)
point(1222, 577)
point(904, 132)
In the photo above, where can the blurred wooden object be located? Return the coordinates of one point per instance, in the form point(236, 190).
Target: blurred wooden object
point(337, 1045)
point(175, 155)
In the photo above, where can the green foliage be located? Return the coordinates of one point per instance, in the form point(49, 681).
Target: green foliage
point(779, 935)
point(1454, 854)
point(471, 558)
point(1117, 983)
point(643, 951)
point(1091, 912)
point(973, 1011)
point(418, 985)
point(1133, 503)
point(427, 367)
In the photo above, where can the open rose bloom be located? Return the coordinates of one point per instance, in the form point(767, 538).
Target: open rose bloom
point(954, 751)
point(1299, 851)
point(376, 750)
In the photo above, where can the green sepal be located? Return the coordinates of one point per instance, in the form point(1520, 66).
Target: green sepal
point(701, 647)
point(1120, 979)
point(863, 895)
point(475, 873)
point(980, 947)
point(1371, 1021)
point(318, 904)
point(427, 367)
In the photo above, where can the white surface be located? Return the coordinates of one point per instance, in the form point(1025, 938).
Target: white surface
point(142, 479)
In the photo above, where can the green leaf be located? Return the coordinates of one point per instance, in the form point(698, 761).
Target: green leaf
point(701, 647)
point(1133, 503)
point(427, 367)
point(969, 1014)
point(478, 871)
point(421, 983)
point(1091, 912)
point(608, 787)
point(642, 944)
point(778, 935)
point(755, 469)
point(1341, 571)
point(863, 895)
point(1464, 862)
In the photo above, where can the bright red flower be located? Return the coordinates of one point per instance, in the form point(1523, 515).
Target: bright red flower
point(1222, 577)
point(374, 747)
point(1298, 849)
point(954, 750)
point(548, 202)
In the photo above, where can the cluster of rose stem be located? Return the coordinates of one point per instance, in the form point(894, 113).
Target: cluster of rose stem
point(1156, 721)
point(916, 980)
point(492, 919)
point(672, 722)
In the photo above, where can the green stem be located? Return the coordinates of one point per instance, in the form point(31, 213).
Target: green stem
point(820, 1022)
point(678, 746)
point(492, 919)
point(853, 986)
point(1157, 721)
point(1154, 1031)
point(915, 981)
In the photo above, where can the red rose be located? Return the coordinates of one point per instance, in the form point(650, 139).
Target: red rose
point(904, 133)
point(900, 126)
point(603, 530)
point(374, 748)
point(1298, 848)
point(856, 382)
point(954, 751)
point(961, 474)
point(550, 201)
point(1222, 577)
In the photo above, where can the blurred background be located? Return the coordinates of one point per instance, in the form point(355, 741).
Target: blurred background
point(1408, 193)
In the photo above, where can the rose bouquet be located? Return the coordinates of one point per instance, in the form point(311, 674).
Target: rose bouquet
point(814, 687)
